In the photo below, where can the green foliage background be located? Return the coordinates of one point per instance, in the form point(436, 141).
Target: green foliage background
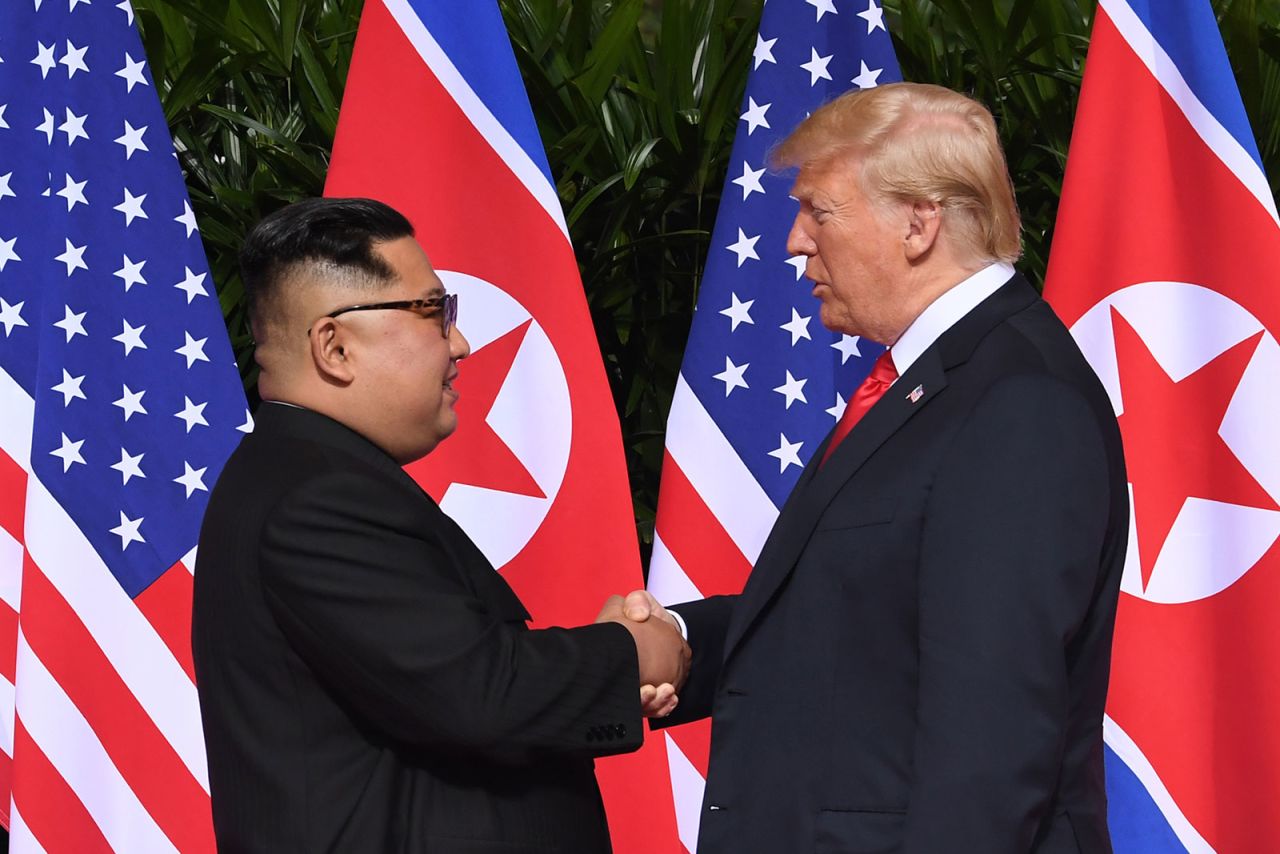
point(637, 102)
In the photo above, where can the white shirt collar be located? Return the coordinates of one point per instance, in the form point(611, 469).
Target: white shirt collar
point(945, 311)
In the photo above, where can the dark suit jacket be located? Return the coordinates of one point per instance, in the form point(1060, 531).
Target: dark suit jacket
point(918, 662)
point(367, 680)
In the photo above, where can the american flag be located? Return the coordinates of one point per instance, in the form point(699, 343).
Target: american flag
point(119, 401)
point(762, 381)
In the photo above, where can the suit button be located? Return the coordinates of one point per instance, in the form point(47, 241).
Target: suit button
point(608, 733)
point(621, 730)
point(591, 734)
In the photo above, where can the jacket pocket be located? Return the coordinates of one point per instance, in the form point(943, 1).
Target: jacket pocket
point(857, 832)
point(840, 516)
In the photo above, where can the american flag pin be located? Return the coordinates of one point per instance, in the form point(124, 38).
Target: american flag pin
point(916, 394)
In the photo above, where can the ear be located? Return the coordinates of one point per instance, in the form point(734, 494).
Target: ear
point(330, 343)
point(924, 222)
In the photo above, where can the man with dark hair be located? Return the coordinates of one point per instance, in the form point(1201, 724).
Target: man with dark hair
point(367, 680)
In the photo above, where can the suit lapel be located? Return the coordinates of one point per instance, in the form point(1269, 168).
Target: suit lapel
point(819, 484)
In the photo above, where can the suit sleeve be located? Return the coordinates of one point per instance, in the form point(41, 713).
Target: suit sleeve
point(707, 621)
point(379, 610)
point(1010, 557)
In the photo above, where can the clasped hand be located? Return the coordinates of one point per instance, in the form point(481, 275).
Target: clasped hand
point(663, 654)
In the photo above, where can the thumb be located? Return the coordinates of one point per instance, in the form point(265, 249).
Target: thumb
point(638, 605)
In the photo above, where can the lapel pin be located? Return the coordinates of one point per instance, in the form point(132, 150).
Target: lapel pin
point(916, 394)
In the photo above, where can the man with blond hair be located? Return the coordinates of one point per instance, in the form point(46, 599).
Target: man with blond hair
point(918, 662)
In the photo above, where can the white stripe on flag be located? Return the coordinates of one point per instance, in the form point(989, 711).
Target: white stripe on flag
point(718, 474)
point(61, 731)
point(19, 416)
point(687, 785)
point(6, 716)
point(189, 560)
point(144, 663)
point(515, 157)
point(668, 582)
point(10, 570)
point(1217, 137)
point(1132, 756)
point(21, 840)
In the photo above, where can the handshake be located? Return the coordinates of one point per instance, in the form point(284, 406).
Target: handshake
point(660, 647)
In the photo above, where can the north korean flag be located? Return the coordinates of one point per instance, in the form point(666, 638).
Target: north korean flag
point(1165, 265)
point(435, 122)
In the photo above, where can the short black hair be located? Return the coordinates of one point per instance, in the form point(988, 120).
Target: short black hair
point(338, 233)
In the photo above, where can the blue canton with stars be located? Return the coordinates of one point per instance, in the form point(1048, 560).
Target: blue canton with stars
point(108, 317)
point(760, 361)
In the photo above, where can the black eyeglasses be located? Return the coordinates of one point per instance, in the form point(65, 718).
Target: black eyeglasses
point(446, 304)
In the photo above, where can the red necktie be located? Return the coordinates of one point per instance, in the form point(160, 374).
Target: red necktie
point(882, 375)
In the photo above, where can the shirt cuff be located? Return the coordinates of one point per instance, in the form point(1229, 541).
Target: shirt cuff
point(680, 624)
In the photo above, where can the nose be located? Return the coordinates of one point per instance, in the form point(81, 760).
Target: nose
point(459, 348)
point(798, 240)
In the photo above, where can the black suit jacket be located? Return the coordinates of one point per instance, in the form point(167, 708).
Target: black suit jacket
point(919, 660)
point(367, 680)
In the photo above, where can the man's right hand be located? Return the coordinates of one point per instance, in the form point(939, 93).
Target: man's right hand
point(662, 652)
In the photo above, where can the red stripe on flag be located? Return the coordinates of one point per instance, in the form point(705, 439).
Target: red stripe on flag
point(167, 606)
point(13, 496)
point(8, 640)
point(694, 741)
point(157, 775)
point(695, 537)
point(54, 814)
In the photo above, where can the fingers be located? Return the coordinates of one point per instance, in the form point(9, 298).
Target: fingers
point(658, 701)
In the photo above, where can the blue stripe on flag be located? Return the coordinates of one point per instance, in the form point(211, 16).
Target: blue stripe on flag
point(492, 73)
point(1136, 823)
point(1188, 31)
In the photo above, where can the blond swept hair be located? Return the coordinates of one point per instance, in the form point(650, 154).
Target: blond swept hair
point(919, 142)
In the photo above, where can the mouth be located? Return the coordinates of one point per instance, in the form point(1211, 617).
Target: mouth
point(448, 382)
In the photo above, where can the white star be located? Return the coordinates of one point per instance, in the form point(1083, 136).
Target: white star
point(11, 315)
point(47, 127)
point(188, 217)
point(5, 190)
point(130, 402)
point(822, 7)
point(193, 350)
point(867, 78)
point(6, 252)
point(127, 531)
point(750, 180)
point(754, 116)
point(73, 59)
point(838, 409)
point(132, 72)
point(247, 426)
point(72, 323)
point(799, 262)
point(73, 127)
point(73, 257)
point(128, 465)
point(127, 8)
point(3, 123)
point(787, 454)
point(764, 51)
point(848, 346)
point(745, 247)
point(193, 285)
point(131, 337)
point(69, 453)
point(792, 390)
point(192, 413)
point(192, 479)
point(132, 139)
point(131, 273)
point(44, 58)
point(817, 67)
point(874, 16)
point(738, 312)
point(69, 388)
point(798, 327)
point(732, 376)
point(131, 207)
point(75, 2)
point(74, 192)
